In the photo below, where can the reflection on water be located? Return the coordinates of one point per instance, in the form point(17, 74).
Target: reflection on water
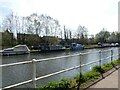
point(16, 74)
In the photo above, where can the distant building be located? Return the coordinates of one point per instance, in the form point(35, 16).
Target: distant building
point(28, 39)
point(7, 39)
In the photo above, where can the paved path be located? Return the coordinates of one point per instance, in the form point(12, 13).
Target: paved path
point(110, 81)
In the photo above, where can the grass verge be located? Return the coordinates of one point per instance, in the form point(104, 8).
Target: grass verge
point(82, 79)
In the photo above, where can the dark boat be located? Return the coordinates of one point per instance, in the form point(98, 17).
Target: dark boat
point(51, 48)
point(76, 47)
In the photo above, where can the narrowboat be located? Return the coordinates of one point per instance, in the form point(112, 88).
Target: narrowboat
point(51, 48)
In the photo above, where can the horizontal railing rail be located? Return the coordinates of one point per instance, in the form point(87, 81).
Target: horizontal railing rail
point(14, 64)
point(34, 61)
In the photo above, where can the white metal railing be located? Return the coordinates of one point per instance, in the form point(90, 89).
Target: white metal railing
point(34, 61)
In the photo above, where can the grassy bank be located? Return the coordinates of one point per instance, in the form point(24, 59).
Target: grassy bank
point(84, 79)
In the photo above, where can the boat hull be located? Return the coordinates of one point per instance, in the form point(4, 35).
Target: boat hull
point(76, 47)
point(13, 53)
point(16, 50)
point(52, 48)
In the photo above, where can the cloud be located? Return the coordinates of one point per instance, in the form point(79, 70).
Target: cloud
point(5, 8)
point(94, 14)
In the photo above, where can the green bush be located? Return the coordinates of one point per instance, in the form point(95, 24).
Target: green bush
point(98, 69)
point(80, 78)
point(61, 85)
point(91, 75)
point(88, 76)
point(116, 62)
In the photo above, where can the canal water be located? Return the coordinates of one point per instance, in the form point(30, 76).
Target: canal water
point(20, 73)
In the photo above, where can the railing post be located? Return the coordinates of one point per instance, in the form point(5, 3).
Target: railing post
point(80, 74)
point(111, 56)
point(34, 72)
point(100, 63)
point(80, 64)
point(119, 53)
point(80, 68)
point(100, 57)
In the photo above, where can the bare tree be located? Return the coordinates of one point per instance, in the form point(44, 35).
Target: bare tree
point(81, 34)
point(8, 23)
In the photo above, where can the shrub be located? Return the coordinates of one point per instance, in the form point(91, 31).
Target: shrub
point(62, 85)
point(106, 67)
point(91, 75)
point(98, 69)
point(80, 78)
point(116, 62)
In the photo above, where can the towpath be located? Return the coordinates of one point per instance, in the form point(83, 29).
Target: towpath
point(111, 81)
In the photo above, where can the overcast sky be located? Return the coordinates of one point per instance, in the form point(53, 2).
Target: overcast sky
point(93, 14)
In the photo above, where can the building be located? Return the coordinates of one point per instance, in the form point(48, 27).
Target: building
point(28, 39)
point(7, 39)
